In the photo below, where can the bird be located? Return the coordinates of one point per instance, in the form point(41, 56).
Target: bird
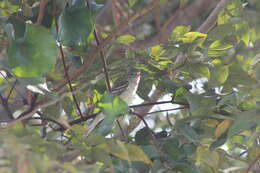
point(125, 87)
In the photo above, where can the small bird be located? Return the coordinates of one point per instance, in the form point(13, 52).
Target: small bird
point(125, 88)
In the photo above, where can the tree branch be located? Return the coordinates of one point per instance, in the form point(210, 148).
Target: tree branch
point(211, 20)
point(41, 12)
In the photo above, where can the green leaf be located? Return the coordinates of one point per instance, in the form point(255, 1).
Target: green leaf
point(219, 75)
point(221, 31)
point(35, 54)
point(245, 120)
point(143, 136)
point(171, 147)
point(178, 32)
point(219, 142)
point(128, 152)
point(99, 154)
point(67, 105)
point(237, 76)
point(257, 72)
point(144, 88)
point(52, 111)
point(187, 131)
point(171, 86)
point(189, 149)
point(18, 25)
point(185, 168)
point(200, 70)
point(192, 36)
point(112, 107)
point(126, 39)
point(131, 3)
point(200, 105)
point(7, 8)
point(156, 51)
point(75, 26)
point(151, 151)
point(220, 45)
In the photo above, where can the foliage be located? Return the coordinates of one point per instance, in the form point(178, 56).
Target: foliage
point(52, 86)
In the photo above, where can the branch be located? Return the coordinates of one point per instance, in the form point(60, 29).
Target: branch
point(253, 164)
point(142, 111)
point(158, 103)
point(69, 82)
point(41, 12)
point(103, 61)
point(211, 20)
point(167, 110)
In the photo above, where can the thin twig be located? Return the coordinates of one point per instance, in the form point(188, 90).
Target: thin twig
point(78, 121)
point(66, 72)
point(104, 62)
point(145, 123)
point(18, 92)
point(167, 110)
point(102, 56)
point(158, 103)
point(69, 82)
point(121, 130)
point(47, 119)
point(11, 90)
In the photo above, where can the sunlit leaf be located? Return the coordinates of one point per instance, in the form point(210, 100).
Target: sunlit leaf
point(126, 39)
point(178, 32)
point(218, 45)
point(192, 36)
point(156, 51)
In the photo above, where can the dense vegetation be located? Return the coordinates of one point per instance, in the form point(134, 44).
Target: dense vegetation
point(199, 110)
